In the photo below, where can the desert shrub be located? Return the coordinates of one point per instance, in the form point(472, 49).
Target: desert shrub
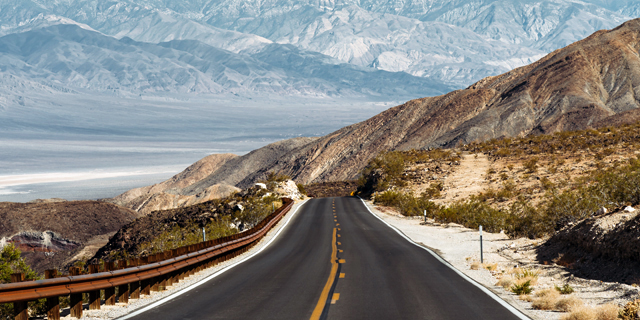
point(607, 312)
point(531, 165)
point(522, 288)
point(472, 214)
point(11, 262)
point(565, 289)
point(580, 314)
point(630, 310)
point(434, 190)
point(301, 189)
point(545, 299)
point(568, 304)
point(505, 282)
point(407, 204)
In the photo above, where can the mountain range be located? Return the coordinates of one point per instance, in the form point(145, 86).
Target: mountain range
point(590, 83)
point(442, 44)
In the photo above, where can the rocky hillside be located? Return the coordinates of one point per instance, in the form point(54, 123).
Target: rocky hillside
point(169, 229)
point(213, 177)
point(591, 82)
point(55, 234)
point(167, 194)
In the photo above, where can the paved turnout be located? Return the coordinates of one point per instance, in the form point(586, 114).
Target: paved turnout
point(336, 261)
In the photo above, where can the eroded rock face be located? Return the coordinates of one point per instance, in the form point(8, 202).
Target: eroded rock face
point(47, 241)
point(605, 247)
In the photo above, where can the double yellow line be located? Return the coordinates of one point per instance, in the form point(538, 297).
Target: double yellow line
point(317, 312)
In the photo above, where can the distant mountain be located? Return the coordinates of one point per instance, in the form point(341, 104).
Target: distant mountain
point(452, 42)
point(588, 83)
point(71, 56)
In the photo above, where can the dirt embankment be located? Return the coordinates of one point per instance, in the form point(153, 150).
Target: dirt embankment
point(54, 234)
point(605, 247)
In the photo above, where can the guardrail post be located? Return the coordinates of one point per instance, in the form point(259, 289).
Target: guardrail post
point(153, 282)
point(53, 303)
point(94, 296)
point(123, 290)
point(162, 284)
point(19, 307)
point(134, 287)
point(75, 303)
point(146, 283)
point(109, 293)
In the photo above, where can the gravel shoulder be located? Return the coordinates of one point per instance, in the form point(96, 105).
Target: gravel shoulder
point(460, 246)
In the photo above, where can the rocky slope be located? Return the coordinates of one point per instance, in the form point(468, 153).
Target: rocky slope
point(212, 177)
point(54, 234)
point(166, 195)
point(603, 247)
point(586, 83)
point(591, 82)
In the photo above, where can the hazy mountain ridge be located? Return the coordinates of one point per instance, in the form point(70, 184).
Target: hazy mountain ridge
point(72, 56)
point(455, 42)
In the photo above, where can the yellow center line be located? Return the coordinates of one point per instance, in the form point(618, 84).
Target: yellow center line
point(317, 312)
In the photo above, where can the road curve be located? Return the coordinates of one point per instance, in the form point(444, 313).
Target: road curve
point(376, 274)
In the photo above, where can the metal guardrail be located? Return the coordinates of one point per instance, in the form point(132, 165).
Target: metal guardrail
point(132, 277)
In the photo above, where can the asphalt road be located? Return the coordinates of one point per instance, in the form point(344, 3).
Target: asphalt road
point(336, 261)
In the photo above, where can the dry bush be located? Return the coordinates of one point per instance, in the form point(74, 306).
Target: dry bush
point(475, 265)
point(630, 310)
point(581, 314)
point(603, 312)
point(569, 304)
point(505, 282)
point(545, 299)
point(607, 312)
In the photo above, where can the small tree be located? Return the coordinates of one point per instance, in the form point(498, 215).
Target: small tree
point(11, 262)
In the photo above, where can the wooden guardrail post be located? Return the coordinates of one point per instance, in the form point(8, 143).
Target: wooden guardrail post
point(123, 290)
point(134, 287)
point(75, 303)
point(153, 282)
point(162, 282)
point(94, 296)
point(145, 285)
point(110, 293)
point(19, 307)
point(53, 303)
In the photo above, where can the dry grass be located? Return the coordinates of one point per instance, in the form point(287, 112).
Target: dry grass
point(475, 265)
point(603, 312)
point(546, 299)
point(505, 282)
point(607, 312)
point(569, 304)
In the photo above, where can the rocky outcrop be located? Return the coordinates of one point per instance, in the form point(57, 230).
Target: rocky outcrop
point(51, 234)
point(604, 247)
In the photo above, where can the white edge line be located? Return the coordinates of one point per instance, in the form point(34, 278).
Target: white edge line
point(484, 289)
point(201, 282)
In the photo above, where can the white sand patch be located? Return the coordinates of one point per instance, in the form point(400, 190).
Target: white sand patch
point(28, 179)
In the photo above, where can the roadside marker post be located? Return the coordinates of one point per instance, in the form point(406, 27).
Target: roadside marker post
point(425, 216)
point(481, 258)
point(204, 235)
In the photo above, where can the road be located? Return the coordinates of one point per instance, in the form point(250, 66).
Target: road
point(335, 260)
